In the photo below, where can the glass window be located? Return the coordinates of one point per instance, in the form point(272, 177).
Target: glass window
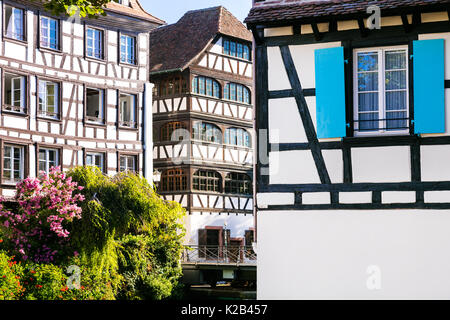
point(237, 137)
point(236, 92)
point(95, 159)
point(206, 86)
point(381, 95)
point(204, 180)
point(14, 23)
point(14, 92)
point(173, 180)
point(95, 105)
point(48, 99)
point(94, 43)
point(238, 183)
point(206, 132)
point(48, 158)
point(235, 49)
point(127, 104)
point(127, 163)
point(226, 47)
point(127, 49)
point(49, 33)
point(167, 131)
point(13, 163)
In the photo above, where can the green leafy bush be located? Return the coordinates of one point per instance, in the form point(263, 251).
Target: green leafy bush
point(11, 273)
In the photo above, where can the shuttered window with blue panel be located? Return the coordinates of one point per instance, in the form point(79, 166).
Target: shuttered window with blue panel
point(330, 93)
point(429, 88)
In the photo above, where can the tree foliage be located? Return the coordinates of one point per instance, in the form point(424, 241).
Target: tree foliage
point(82, 8)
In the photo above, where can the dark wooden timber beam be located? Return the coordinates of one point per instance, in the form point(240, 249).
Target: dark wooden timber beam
point(317, 34)
point(362, 27)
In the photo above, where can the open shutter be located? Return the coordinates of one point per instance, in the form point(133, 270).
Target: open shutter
point(429, 86)
point(330, 93)
point(202, 241)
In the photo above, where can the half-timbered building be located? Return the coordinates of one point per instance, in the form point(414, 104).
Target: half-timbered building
point(353, 176)
point(202, 70)
point(74, 91)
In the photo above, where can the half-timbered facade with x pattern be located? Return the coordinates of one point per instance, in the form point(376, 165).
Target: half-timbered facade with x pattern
point(202, 70)
point(352, 106)
point(73, 91)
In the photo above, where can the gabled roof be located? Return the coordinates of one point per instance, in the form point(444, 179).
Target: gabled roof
point(270, 11)
point(175, 47)
point(135, 9)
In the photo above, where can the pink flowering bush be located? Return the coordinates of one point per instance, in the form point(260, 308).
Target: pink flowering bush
point(38, 229)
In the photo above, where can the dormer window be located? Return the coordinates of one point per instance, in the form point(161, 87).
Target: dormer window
point(236, 49)
point(123, 2)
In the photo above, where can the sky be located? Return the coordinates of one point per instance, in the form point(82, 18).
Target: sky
point(172, 10)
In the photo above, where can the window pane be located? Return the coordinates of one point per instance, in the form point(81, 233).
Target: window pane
point(368, 81)
point(395, 80)
point(395, 60)
point(368, 102)
point(368, 122)
point(367, 61)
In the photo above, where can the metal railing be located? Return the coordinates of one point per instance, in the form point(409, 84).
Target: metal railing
point(218, 254)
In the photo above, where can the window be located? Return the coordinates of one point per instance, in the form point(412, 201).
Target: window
point(206, 86)
point(95, 105)
point(127, 49)
point(204, 180)
point(49, 33)
point(48, 99)
point(237, 92)
point(236, 49)
point(96, 159)
point(127, 104)
point(238, 183)
point(173, 180)
point(169, 128)
point(381, 91)
point(172, 86)
point(237, 137)
point(48, 158)
point(14, 93)
point(13, 163)
point(206, 132)
point(14, 23)
point(127, 163)
point(123, 2)
point(94, 43)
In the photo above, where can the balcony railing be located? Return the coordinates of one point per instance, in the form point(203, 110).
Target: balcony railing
point(219, 254)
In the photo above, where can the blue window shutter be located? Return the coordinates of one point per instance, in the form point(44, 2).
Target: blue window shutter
point(429, 88)
point(330, 93)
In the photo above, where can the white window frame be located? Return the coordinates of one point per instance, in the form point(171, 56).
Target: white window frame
point(47, 158)
point(97, 38)
point(132, 111)
point(94, 155)
point(381, 91)
point(43, 107)
point(11, 168)
point(22, 89)
point(124, 44)
point(101, 106)
point(126, 167)
point(45, 42)
point(14, 34)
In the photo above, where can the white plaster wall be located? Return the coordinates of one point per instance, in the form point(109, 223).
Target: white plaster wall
point(304, 60)
point(335, 254)
point(381, 164)
point(292, 167)
point(284, 118)
point(434, 163)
